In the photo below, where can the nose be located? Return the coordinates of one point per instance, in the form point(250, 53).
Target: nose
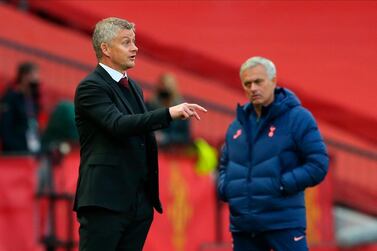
point(253, 87)
point(135, 48)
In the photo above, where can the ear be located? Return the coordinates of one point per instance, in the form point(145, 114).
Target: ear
point(274, 81)
point(105, 49)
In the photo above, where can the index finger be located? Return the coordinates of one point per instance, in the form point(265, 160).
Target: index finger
point(197, 107)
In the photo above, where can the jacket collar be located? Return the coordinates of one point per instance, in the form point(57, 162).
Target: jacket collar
point(284, 100)
point(114, 86)
point(114, 74)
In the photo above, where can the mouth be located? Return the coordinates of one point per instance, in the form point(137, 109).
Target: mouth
point(254, 97)
point(133, 57)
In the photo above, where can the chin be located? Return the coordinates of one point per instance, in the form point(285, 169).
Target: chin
point(257, 103)
point(130, 65)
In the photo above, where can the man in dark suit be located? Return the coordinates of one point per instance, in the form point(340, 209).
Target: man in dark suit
point(118, 178)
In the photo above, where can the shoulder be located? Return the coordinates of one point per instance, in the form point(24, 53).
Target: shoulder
point(300, 113)
point(92, 80)
point(240, 115)
point(11, 94)
point(301, 120)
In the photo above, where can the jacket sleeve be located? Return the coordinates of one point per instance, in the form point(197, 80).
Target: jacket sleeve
point(7, 113)
point(311, 150)
point(222, 173)
point(94, 102)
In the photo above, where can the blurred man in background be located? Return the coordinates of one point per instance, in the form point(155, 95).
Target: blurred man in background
point(167, 95)
point(19, 111)
point(273, 151)
point(118, 179)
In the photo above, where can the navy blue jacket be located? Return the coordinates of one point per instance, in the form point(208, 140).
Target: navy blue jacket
point(267, 163)
point(14, 122)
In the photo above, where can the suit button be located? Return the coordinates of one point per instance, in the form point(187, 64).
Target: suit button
point(142, 144)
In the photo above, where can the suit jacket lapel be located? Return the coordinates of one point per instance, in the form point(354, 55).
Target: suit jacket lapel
point(114, 86)
point(138, 95)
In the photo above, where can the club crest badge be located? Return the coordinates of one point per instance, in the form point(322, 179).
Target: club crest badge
point(272, 131)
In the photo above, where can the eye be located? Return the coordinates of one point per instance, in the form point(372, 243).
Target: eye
point(258, 81)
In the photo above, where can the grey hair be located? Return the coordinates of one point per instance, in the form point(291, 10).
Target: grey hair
point(106, 30)
point(266, 63)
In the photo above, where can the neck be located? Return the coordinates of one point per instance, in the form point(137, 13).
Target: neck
point(23, 87)
point(111, 65)
point(258, 110)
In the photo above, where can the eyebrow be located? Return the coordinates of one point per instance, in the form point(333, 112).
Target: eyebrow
point(128, 35)
point(257, 80)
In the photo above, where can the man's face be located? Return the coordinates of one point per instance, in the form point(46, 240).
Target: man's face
point(33, 76)
point(122, 51)
point(258, 86)
point(30, 78)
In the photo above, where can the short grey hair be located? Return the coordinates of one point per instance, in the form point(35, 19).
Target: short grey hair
point(266, 63)
point(106, 30)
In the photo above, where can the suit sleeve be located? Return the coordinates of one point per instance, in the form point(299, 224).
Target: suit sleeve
point(222, 173)
point(312, 152)
point(94, 102)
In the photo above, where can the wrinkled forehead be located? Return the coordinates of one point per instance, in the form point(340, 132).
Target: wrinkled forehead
point(254, 72)
point(125, 33)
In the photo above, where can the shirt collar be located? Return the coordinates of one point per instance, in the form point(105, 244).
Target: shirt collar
point(116, 75)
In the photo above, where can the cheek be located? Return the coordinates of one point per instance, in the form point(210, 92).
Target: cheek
point(267, 90)
point(269, 93)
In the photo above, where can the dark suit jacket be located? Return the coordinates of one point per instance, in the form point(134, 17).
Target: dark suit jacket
point(116, 144)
